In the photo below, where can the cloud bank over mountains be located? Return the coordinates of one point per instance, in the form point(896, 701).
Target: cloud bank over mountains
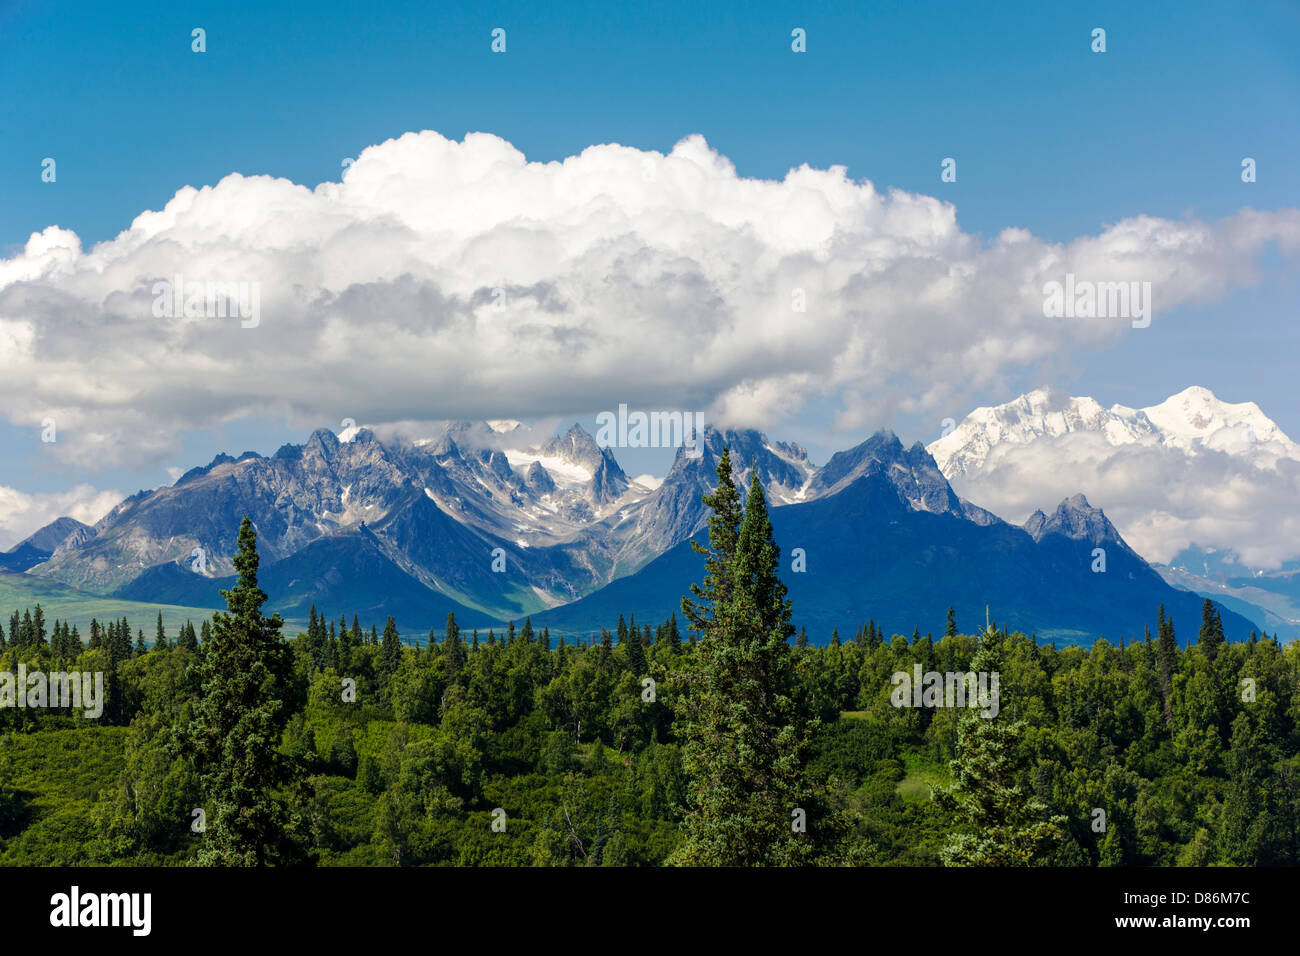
point(445, 279)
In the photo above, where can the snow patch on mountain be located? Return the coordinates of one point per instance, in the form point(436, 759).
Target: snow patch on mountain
point(563, 472)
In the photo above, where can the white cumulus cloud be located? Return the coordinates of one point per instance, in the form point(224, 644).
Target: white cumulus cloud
point(446, 279)
point(22, 514)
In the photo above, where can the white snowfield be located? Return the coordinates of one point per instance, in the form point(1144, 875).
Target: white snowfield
point(562, 471)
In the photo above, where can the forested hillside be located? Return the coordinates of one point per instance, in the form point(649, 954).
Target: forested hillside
point(587, 772)
point(346, 745)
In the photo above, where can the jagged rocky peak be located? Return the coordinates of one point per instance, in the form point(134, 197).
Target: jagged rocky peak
point(539, 479)
point(444, 447)
point(221, 458)
point(358, 435)
point(322, 443)
point(1074, 518)
point(572, 462)
point(575, 446)
point(975, 513)
point(496, 462)
point(57, 533)
point(783, 467)
point(913, 473)
point(1034, 524)
point(286, 452)
point(881, 449)
point(507, 482)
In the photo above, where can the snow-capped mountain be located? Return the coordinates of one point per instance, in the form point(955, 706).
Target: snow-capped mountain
point(675, 512)
point(1192, 475)
point(497, 477)
point(1270, 597)
point(1191, 421)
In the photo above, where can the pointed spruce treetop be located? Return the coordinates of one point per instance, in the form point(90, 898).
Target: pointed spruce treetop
point(754, 570)
point(724, 532)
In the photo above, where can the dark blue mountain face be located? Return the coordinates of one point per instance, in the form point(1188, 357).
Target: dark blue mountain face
point(444, 554)
point(346, 573)
point(871, 556)
point(22, 557)
point(39, 546)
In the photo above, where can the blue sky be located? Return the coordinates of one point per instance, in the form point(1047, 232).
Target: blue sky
point(1049, 136)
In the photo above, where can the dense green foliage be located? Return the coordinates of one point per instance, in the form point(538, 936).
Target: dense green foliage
point(1005, 826)
point(587, 772)
point(642, 748)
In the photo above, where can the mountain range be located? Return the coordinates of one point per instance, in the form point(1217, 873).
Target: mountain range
point(492, 522)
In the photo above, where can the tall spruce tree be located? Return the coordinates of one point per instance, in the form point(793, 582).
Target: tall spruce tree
point(1167, 661)
point(746, 731)
point(347, 640)
point(606, 650)
point(636, 661)
point(390, 652)
point(673, 634)
point(1004, 825)
point(249, 784)
point(1210, 637)
point(38, 627)
point(453, 650)
point(724, 530)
